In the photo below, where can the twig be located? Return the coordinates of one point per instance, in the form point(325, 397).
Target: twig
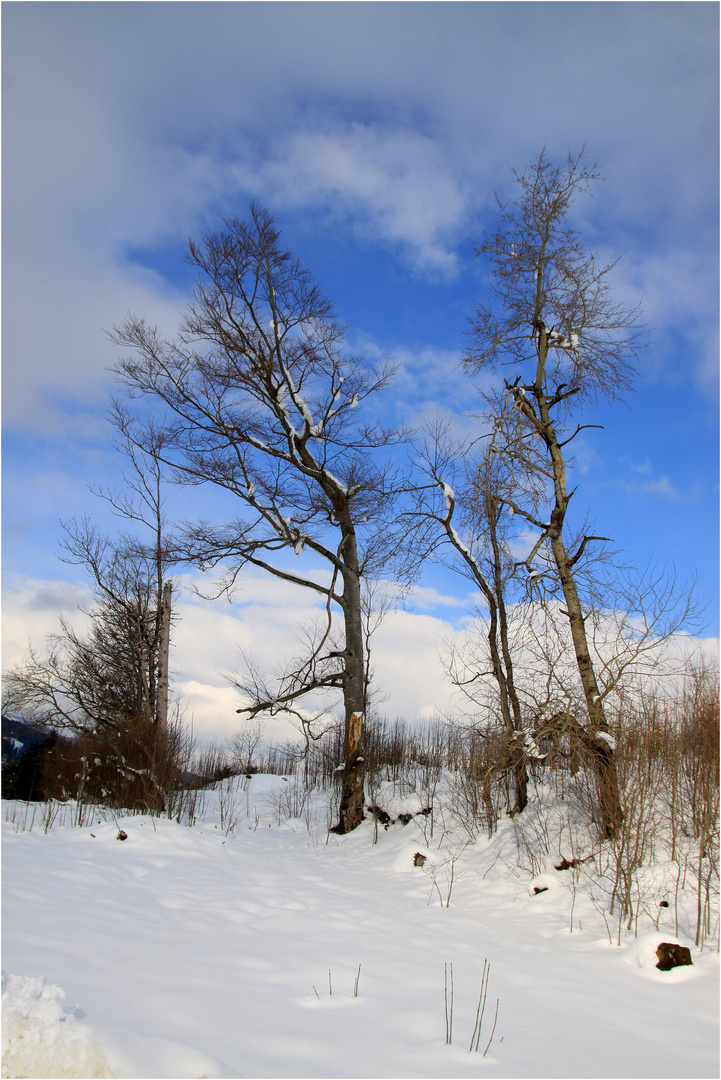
point(450, 885)
point(495, 1018)
point(449, 1015)
point(484, 990)
point(485, 977)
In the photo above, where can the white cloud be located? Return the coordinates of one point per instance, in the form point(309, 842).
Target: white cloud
point(407, 649)
point(109, 146)
point(208, 635)
point(430, 383)
point(30, 610)
point(84, 189)
point(429, 377)
point(392, 185)
point(55, 367)
point(428, 597)
point(677, 291)
point(206, 640)
point(384, 122)
point(651, 484)
point(661, 486)
point(406, 659)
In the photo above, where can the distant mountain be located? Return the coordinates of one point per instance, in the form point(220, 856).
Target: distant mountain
point(17, 736)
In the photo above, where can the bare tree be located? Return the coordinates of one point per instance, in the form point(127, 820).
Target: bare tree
point(465, 494)
point(110, 685)
point(243, 745)
point(260, 398)
point(553, 321)
point(140, 500)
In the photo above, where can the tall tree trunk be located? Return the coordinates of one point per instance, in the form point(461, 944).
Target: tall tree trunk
point(598, 751)
point(512, 710)
point(352, 796)
point(161, 708)
point(501, 661)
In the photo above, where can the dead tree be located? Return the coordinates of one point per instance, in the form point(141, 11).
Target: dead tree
point(551, 319)
point(459, 519)
point(119, 671)
point(107, 688)
point(258, 397)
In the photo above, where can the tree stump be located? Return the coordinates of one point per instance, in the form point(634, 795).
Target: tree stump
point(671, 955)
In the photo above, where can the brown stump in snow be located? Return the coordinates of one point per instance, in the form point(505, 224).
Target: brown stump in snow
point(671, 955)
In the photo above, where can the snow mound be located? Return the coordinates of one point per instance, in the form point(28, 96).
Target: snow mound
point(404, 861)
point(391, 797)
point(544, 883)
point(136, 1056)
point(41, 1037)
point(642, 953)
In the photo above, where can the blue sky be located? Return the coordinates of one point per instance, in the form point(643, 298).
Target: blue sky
point(376, 132)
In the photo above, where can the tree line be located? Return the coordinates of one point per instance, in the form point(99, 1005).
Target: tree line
point(258, 395)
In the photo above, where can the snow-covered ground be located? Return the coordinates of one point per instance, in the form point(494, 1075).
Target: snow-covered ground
point(273, 949)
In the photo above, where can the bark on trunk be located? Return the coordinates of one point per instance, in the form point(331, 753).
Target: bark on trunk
point(352, 795)
point(521, 779)
point(598, 751)
point(161, 710)
point(509, 698)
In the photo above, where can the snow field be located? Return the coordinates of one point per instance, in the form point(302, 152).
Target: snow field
point(200, 951)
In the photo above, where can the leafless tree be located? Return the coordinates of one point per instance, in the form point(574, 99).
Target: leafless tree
point(243, 745)
point(552, 321)
point(110, 684)
point(139, 500)
point(460, 517)
point(260, 398)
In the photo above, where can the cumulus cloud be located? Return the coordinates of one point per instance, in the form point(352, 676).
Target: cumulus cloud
point(409, 676)
point(407, 661)
point(430, 383)
point(110, 147)
point(677, 291)
point(208, 637)
point(425, 596)
point(384, 125)
point(408, 649)
point(393, 186)
point(30, 612)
